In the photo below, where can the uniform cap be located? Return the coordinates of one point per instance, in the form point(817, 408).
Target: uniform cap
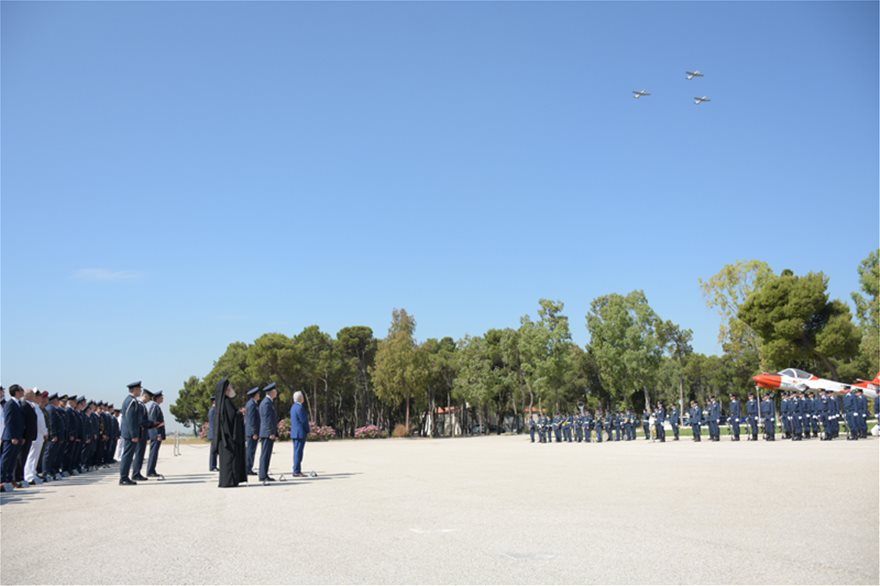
point(159, 394)
point(134, 384)
point(53, 396)
point(253, 391)
point(269, 387)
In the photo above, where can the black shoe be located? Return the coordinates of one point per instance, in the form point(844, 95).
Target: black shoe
point(152, 475)
point(126, 482)
point(268, 479)
point(139, 477)
point(251, 473)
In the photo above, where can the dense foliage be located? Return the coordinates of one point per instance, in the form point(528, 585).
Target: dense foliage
point(358, 386)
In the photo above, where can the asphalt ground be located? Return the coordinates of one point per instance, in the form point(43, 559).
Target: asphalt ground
point(475, 510)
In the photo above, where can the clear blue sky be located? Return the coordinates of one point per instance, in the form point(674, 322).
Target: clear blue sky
point(178, 176)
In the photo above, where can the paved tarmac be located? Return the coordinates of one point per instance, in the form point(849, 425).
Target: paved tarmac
point(477, 510)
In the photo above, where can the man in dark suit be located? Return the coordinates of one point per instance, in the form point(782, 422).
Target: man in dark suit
point(13, 437)
point(30, 435)
point(157, 434)
point(252, 428)
point(299, 431)
point(268, 429)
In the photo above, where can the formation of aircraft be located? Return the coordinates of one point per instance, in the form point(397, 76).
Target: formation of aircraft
point(690, 75)
point(795, 379)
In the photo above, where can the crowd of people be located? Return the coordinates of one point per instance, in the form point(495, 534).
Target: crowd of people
point(801, 415)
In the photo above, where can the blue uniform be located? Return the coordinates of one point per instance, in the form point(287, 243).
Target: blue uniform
point(659, 420)
point(734, 418)
point(268, 431)
point(299, 432)
point(675, 422)
point(862, 415)
point(752, 413)
point(768, 414)
point(695, 420)
point(251, 432)
point(849, 409)
point(130, 429)
point(212, 458)
point(157, 434)
point(532, 427)
point(714, 419)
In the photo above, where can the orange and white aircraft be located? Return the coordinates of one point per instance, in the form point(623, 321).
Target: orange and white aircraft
point(794, 379)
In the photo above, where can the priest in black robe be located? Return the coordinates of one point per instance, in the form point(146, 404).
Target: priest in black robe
point(228, 441)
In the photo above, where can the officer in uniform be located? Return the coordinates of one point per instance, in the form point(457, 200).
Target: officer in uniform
point(675, 421)
point(578, 428)
point(599, 426)
point(849, 409)
point(815, 411)
point(50, 450)
point(146, 425)
point(130, 431)
point(861, 413)
point(646, 423)
point(806, 406)
point(833, 407)
point(252, 428)
point(588, 425)
point(768, 414)
point(268, 430)
point(566, 428)
point(557, 428)
point(659, 420)
point(695, 420)
point(157, 434)
point(785, 414)
point(734, 416)
point(532, 429)
point(752, 416)
point(797, 417)
point(714, 420)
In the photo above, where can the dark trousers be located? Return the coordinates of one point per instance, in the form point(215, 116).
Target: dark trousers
point(265, 456)
point(753, 427)
point(770, 429)
point(735, 427)
point(49, 459)
point(9, 458)
point(532, 434)
point(299, 445)
point(661, 432)
point(154, 455)
point(128, 449)
point(646, 427)
point(696, 429)
point(212, 457)
point(251, 453)
point(137, 462)
point(675, 430)
point(23, 451)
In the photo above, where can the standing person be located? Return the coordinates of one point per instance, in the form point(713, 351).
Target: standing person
point(157, 434)
point(735, 416)
point(532, 429)
point(137, 462)
point(714, 419)
point(30, 435)
point(252, 427)
point(299, 431)
point(695, 419)
point(815, 412)
point(36, 448)
point(659, 421)
point(675, 421)
point(228, 441)
point(861, 414)
point(212, 458)
point(50, 451)
point(598, 425)
point(268, 430)
point(849, 409)
point(768, 414)
point(13, 437)
point(752, 414)
point(646, 423)
point(130, 431)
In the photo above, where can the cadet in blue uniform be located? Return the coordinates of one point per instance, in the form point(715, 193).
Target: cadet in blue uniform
point(130, 431)
point(532, 427)
point(566, 428)
point(578, 429)
point(785, 415)
point(137, 463)
point(252, 428)
point(797, 417)
point(861, 414)
point(268, 430)
point(646, 423)
point(50, 449)
point(157, 434)
point(849, 409)
point(598, 425)
point(212, 458)
point(806, 407)
point(714, 420)
point(768, 415)
point(674, 421)
point(659, 420)
point(752, 416)
point(734, 416)
point(815, 411)
point(588, 425)
point(695, 420)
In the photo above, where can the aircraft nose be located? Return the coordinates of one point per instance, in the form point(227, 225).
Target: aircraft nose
point(767, 381)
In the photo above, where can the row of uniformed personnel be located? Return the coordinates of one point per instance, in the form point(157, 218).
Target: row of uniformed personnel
point(141, 420)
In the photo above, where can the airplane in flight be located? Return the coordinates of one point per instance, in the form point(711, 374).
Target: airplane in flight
point(693, 74)
point(699, 101)
point(640, 93)
point(795, 379)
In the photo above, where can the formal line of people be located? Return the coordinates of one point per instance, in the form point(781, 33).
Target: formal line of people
point(803, 415)
point(49, 437)
point(235, 432)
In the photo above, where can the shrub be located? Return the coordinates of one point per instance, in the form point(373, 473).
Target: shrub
point(321, 433)
point(400, 431)
point(284, 429)
point(370, 432)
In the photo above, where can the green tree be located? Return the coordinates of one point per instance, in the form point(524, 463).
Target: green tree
point(189, 408)
point(867, 362)
point(398, 372)
point(797, 324)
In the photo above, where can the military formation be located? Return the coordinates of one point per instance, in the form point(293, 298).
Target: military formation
point(50, 437)
point(800, 415)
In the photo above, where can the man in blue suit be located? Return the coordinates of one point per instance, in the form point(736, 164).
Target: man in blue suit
point(13, 437)
point(212, 459)
point(299, 431)
point(268, 430)
point(252, 428)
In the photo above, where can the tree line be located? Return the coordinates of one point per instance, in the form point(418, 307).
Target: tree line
point(634, 358)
